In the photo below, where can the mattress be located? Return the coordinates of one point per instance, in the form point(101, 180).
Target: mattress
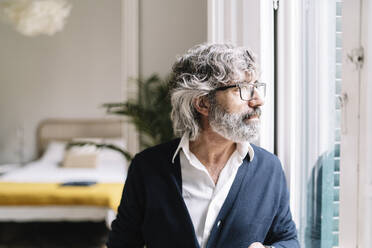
point(34, 192)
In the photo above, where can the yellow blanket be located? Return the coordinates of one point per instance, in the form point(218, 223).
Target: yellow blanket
point(45, 194)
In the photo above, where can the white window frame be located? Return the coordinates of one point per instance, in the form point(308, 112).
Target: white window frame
point(365, 142)
point(249, 24)
point(130, 65)
point(349, 156)
point(289, 61)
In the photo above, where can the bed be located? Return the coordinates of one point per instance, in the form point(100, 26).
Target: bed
point(34, 192)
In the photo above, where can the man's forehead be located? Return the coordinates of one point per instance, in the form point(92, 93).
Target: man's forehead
point(244, 77)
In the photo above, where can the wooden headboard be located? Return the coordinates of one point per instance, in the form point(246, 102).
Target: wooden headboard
point(67, 129)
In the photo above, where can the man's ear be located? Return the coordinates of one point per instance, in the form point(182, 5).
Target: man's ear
point(202, 105)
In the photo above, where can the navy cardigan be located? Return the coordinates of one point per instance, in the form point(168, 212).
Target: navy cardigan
point(152, 211)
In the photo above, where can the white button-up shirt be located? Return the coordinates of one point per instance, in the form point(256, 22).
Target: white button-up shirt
point(203, 198)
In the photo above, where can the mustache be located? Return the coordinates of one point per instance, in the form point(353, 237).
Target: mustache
point(255, 112)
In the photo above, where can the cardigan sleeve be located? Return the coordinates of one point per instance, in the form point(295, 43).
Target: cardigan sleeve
point(126, 228)
point(283, 233)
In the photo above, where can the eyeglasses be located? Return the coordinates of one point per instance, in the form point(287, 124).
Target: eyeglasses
point(247, 90)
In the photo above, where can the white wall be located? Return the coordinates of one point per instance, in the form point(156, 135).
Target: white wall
point(72, 73)
point(67, 75)
point(169, 28)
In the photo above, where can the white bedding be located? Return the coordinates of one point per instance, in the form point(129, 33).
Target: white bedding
point(40, 171)
point(111, 168)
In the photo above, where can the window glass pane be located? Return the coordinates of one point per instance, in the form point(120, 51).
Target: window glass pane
point(338, 71)
point(338, 39)
point(338, 103)
point(337, 164)
point(338, 84)
point(322, 67)
point(336, 196)
point(338, 55)
point(338, 117)
point(338, 24)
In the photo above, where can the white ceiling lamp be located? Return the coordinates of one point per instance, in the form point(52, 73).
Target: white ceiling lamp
point(36, 17)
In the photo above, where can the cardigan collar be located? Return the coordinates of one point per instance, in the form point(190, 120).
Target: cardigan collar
point(243, 148)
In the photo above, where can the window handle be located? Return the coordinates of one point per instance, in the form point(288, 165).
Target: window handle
point(343, 98)
point(356, 56)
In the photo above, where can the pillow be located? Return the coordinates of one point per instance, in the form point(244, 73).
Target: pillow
point(80, 157)
point(54, 152)
point(102, 156)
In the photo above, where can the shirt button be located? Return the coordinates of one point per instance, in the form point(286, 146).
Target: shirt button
point(218, 223)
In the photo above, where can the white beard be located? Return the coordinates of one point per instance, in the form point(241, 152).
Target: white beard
point(235, 126)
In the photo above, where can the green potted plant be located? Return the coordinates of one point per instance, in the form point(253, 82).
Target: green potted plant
point(150, 112)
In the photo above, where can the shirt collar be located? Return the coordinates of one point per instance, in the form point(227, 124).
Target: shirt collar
point(243, 148)
point(184, 144)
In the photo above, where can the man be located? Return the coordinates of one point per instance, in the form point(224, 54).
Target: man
point(212, 187)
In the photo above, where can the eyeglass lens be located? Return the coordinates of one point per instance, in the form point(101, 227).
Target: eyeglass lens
point(247, 91)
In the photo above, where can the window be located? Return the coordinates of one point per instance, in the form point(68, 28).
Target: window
point(321, 126)
point(309, 115)
point(317, 135)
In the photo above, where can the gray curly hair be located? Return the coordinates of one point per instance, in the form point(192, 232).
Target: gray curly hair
point(198, 72)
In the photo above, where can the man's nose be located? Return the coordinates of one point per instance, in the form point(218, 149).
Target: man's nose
point(256, 100)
